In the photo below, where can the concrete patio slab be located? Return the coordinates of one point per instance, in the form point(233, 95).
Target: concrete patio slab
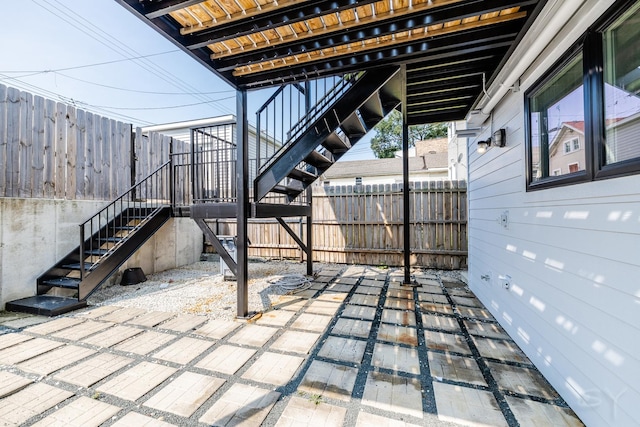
point(360, 363)
point(123, 315)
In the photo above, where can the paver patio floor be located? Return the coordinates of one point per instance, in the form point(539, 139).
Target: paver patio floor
point(356, 349)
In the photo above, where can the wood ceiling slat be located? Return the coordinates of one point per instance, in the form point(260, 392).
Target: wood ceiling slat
point(318, 29)
point(380, 42)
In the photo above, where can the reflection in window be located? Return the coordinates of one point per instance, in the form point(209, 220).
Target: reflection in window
point(622, 86)
point(557, 123)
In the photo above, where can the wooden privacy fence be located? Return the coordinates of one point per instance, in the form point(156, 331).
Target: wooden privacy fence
point(56, 151)
point(364, 225)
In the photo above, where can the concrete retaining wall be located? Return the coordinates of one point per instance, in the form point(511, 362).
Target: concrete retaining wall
point(35, 233)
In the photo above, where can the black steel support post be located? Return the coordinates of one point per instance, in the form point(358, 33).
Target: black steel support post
point(242, 185)
point(405, 180)
point(309, 251)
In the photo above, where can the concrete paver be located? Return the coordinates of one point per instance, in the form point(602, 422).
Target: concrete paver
point(345, 349)
point(82, 412)
point(530, 413)
point(145, 342)
point(359, 312)
point(26, 350)
point(54, 326)
point(226, 359)
point(329, 379)
point(96, 368)
point(82, 330)
point(485, 329)
point(522, 380)
point(296, 342)
point(112, 336)
point(311, 322)
point(396, 358)
point(368, 290)
point(133, 419)
point(303, 412)
point(467, 406)
point(273, 368)
point(437, 308)
point(328, 308)
point(360, 299)
point(123, 315)
point(56, 359)
point(455, 368)
point(137, 381)
point(275, 317)
point(505, 350)
point(399, 317)
point(183, 351)
point(241, 405)
point(10, 383)
point(151, 318)
point(434, 298)
point(95, 312)
point(366, 419)
point(253, 335)
point(398, 334)
point(446, 342)
point(9, 340)
point(332, 296)
point(440, 322)
point(352, 327)
point(393, 393)
point(475, 313)
point(217, 329)
point(184, 395)
point(29, 402)
point(290, 303)
point(183, 323)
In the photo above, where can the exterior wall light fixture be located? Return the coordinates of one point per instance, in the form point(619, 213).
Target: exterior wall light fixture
point(499, 139)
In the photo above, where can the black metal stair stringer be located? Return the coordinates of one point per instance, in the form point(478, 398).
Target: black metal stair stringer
point(374, 87)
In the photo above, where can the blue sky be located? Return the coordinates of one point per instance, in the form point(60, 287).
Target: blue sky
point(101, 58)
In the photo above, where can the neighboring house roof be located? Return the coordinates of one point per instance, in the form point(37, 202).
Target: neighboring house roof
point(382, 167)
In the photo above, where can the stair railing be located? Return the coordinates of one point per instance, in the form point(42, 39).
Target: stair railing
point(101, 234)
point(291, 110)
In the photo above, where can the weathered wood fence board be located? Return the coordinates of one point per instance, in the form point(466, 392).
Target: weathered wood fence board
point(54, 150)
point(364, 225)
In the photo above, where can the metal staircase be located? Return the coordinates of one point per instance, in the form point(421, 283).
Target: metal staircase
point(115, 233)
point(328, 130)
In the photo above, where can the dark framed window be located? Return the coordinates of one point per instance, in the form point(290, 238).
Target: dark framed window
point(583, 116)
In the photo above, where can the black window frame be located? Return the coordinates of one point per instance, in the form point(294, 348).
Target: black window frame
point(591, 46)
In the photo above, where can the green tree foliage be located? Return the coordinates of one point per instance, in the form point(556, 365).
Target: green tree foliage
point(388, 138)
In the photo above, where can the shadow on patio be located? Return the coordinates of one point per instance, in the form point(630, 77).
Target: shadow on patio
point(356, 348)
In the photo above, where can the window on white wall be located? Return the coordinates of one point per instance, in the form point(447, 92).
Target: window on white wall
point(586, 108)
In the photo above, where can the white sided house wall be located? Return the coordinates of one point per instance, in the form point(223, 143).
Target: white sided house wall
point(571, 255)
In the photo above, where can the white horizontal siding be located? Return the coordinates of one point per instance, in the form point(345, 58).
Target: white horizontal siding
point(573, 254)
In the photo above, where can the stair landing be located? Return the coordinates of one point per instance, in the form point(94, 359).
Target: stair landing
point(45, 305)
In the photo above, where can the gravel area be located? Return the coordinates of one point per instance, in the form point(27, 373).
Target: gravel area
point(199, 288)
